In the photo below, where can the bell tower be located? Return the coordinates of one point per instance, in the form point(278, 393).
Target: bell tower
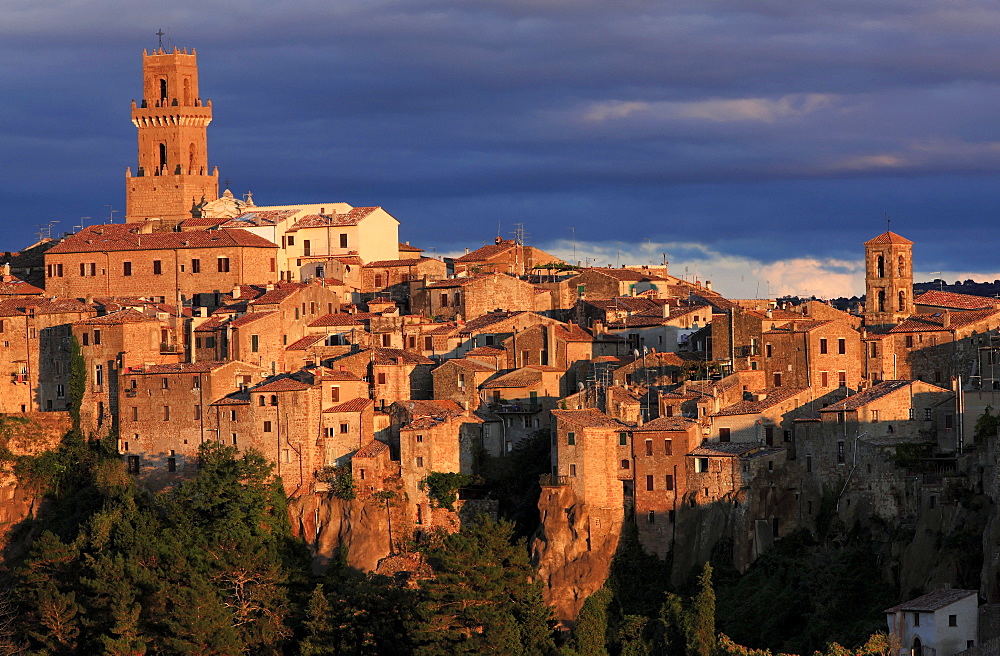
point(173, 174)
point(888, 279)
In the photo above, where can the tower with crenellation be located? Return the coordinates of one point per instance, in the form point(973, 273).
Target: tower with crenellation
point(173, 175)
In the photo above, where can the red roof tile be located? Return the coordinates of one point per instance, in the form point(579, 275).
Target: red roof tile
point(305, 342)
point(956, 301)
point(887, 237)
point(250, 317)
point(486, 252)
point(371, 450)
point(774, 396)
point(126, 237)
point(117, 318)
point(282, 385)
point(354, 405)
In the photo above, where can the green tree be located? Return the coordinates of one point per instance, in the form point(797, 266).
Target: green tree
point(483, 596)
point(590, 634)
point(701, 618)
point(77, 382)
point(986, 426)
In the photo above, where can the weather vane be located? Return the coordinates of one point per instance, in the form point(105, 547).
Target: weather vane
point(159, 35)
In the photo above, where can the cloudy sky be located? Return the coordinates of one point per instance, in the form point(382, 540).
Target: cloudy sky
point(757, 144)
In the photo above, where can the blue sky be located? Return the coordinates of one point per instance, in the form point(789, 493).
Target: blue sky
point(757, 144)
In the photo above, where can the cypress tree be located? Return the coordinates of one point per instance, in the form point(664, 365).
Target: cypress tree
point(701, 619)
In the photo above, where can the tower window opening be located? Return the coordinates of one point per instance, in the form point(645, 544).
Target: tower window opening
point(163, 155)
point(880, 266)
point(900, 269)
point(881, 300)
point(163, 88)
point(191, 151)
point(902, 301)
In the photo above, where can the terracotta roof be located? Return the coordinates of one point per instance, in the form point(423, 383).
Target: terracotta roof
point(666, 424)
point(371, 450)
point(277, 295)
point(522, 377)
point(572, 332)
point(204, 222)
point(887, 237)
point(283, 384)
point(237, 398)
point(803, 326)
point(464, 280)
point(413, 261)
point(873, 393)
point(486, 351)
point(117, 318)
point(483, 322)
point(305, 342)
point(250, 317)
point(343, 319)
point(177, 368)
point(350, 218)
point(933, 601)
point(470, 365)
point(956, 301)
point(625, 395)
point(393, 356)
point(488, 251)
point(213, 323)
point(354, 405)
point(406, 248)
point(628, 303)
point(259, 218)
point(626, 274)
point(13, 286)
point(935, 322)
point(334, 374)
point(126, 237)
point(426, 408)
point(589, 418)
point(725, 449)
point(775, 395)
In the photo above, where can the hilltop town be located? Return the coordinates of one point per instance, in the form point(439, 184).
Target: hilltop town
point(378, 380)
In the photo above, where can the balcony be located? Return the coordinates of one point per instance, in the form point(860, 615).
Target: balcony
point(551, 480)
point(167, 347)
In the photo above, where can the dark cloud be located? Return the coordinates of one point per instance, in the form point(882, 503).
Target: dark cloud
point(766, 130)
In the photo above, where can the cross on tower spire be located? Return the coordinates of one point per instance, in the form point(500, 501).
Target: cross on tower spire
point(159, 34)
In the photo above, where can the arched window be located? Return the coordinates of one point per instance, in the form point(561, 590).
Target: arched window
point(163, 155)
point(880, 267)
point(881, 300)
point(625, 464)
point(274, 399)
point(900, 266)
point(163, 88)
point(187, 91)
point(260, 400)
point(902, 301)
point(191, 158)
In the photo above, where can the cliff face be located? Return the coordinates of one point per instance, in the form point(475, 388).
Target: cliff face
point(327, 523)
point(572, 549)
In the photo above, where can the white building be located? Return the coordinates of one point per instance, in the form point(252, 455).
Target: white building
point(940, 623)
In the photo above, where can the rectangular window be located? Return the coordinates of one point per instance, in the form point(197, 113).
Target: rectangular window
point(420, 461)
point(86, 339)
point(809, 464)
point(873, 350)
point(841, 345)
point(267, 427)
point(570, 439)
point(444, 300)
point(126, 268)
point(909, 341)
point(841, 456)
point(428, 343)
point(572, 470)
point(166, 413)
point(99, 375)
point(135, 413)
point(824, 379)
point(306, 247)
point(769, 435)
point(381, 379)
point(622, 439)
point(842, 378)
point(767, 351)
point(254, 343)
point(949, 422)
point(668, 447)
point(133, 464)
point(669, 482)
point(649, 482)
point(164, 383)
point(195, 382)
point(83, 269)
point(344, 428)
point(223, 263)
point(171, 464)
point(97, 337)
point(822, 346)
point(724, 434)
point(916, 619)
point(700, 465)
point(649, 447)
point(291, 241)
point(60, 391)
point(157, 267)
point(874, 415)
point(197, 412)
point(343, 240)
point(195, 266)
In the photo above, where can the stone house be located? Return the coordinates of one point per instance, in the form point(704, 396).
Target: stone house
point(824, 355)
point(764, 418)
point(523, 398)
point(943, 622)
point(667, 330)
point(111, 343)
point(657, 462)
point(346, 428)
point(166, 411)
point(587, 450)
point(125, 260)
point(474, 296)
point(607, 283)
point(737, 335)
point(35, 338)
point(371, 466)
point(391, 278)
point(503, 256)
point(459, 380)
point(394, 374)
point(934, 301)
point(719, 471)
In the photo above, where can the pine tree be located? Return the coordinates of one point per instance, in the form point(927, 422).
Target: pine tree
point(483, 597)
point(590, 634)
point(701, 619)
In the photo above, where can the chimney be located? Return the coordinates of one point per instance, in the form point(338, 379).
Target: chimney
point(946, 319)
point(708, 285)
point(236, 292)
point(598, 327)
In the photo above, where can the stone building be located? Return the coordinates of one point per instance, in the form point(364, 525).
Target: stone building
point(126, 260)
point(888, 279)
point(824, 355)
point(765, 417)
point(475, 296)
point(503, 256)
point(172, 120)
